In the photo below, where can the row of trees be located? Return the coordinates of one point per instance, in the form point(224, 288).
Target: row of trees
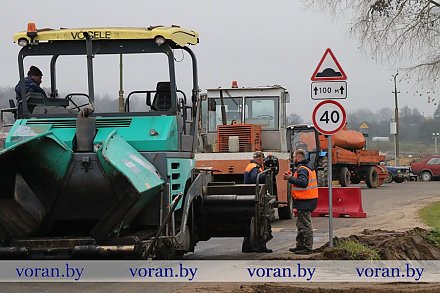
point(413, 126)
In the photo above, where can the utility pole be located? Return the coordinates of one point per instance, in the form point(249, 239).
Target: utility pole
point(436, 136)
point(396, 120)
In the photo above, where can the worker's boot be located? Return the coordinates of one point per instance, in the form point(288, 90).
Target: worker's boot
point(304, 251)
point(295, 249)
point(264, 249)
point(246, 247)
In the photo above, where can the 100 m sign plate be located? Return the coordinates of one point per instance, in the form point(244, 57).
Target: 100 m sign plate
point(323, 90)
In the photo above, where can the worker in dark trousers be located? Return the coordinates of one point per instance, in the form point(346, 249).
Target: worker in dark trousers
point(305, 197)
point(254, 167)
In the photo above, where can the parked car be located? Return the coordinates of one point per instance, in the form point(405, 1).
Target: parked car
point(398, 174)
point(428, 168)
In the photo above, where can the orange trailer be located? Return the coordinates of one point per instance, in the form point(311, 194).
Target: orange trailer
point(351, 163)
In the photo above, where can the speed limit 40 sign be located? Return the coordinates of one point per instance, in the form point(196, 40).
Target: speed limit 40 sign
point(329, 117)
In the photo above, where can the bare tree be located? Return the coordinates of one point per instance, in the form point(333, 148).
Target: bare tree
point(385, 114)
point(294, 118)
point(405, 32)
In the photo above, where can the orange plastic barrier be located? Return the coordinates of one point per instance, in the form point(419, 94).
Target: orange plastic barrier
point(347, 202)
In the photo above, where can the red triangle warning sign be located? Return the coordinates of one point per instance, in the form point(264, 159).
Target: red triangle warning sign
point(328, 68)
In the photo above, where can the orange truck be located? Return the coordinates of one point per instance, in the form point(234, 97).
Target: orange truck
point(234, 123)
point(351, 162)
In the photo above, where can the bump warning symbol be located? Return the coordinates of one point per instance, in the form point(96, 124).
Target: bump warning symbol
point(328, 68)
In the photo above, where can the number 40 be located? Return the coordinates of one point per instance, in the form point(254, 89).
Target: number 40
point(334, 116)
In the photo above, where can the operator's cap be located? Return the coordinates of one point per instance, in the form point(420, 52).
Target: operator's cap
point(258, 154)
point(300, 151)
point(34, 70)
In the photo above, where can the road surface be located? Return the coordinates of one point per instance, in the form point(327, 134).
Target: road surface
point(392, 206)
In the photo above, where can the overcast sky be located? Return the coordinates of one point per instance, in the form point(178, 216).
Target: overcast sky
point(253, 42)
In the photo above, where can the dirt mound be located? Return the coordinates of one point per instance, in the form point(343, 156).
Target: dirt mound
point(414, 244)
point(347, 288)
point(264, 288)
point(343, 253)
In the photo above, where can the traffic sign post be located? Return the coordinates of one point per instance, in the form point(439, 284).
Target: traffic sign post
point(328, 118)
point(364, 130)
point(330, 192)
point(328, 82)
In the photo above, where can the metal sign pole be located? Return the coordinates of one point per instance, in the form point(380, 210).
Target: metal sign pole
point(330, 195)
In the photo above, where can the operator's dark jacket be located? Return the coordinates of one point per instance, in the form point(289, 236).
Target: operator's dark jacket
point(303, 181)
point(30, 85)
point(251, 177)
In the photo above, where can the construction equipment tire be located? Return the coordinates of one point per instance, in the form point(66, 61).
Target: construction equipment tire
point(389, 178)
point(372, 177)
point(321, 172)
point(344, 177)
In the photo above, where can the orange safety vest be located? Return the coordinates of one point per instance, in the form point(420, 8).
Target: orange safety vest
point(252, 166)
point(309, 192)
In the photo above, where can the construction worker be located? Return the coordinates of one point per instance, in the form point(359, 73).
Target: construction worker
point(305, 197)
point(254, 167)
point(32, 83)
